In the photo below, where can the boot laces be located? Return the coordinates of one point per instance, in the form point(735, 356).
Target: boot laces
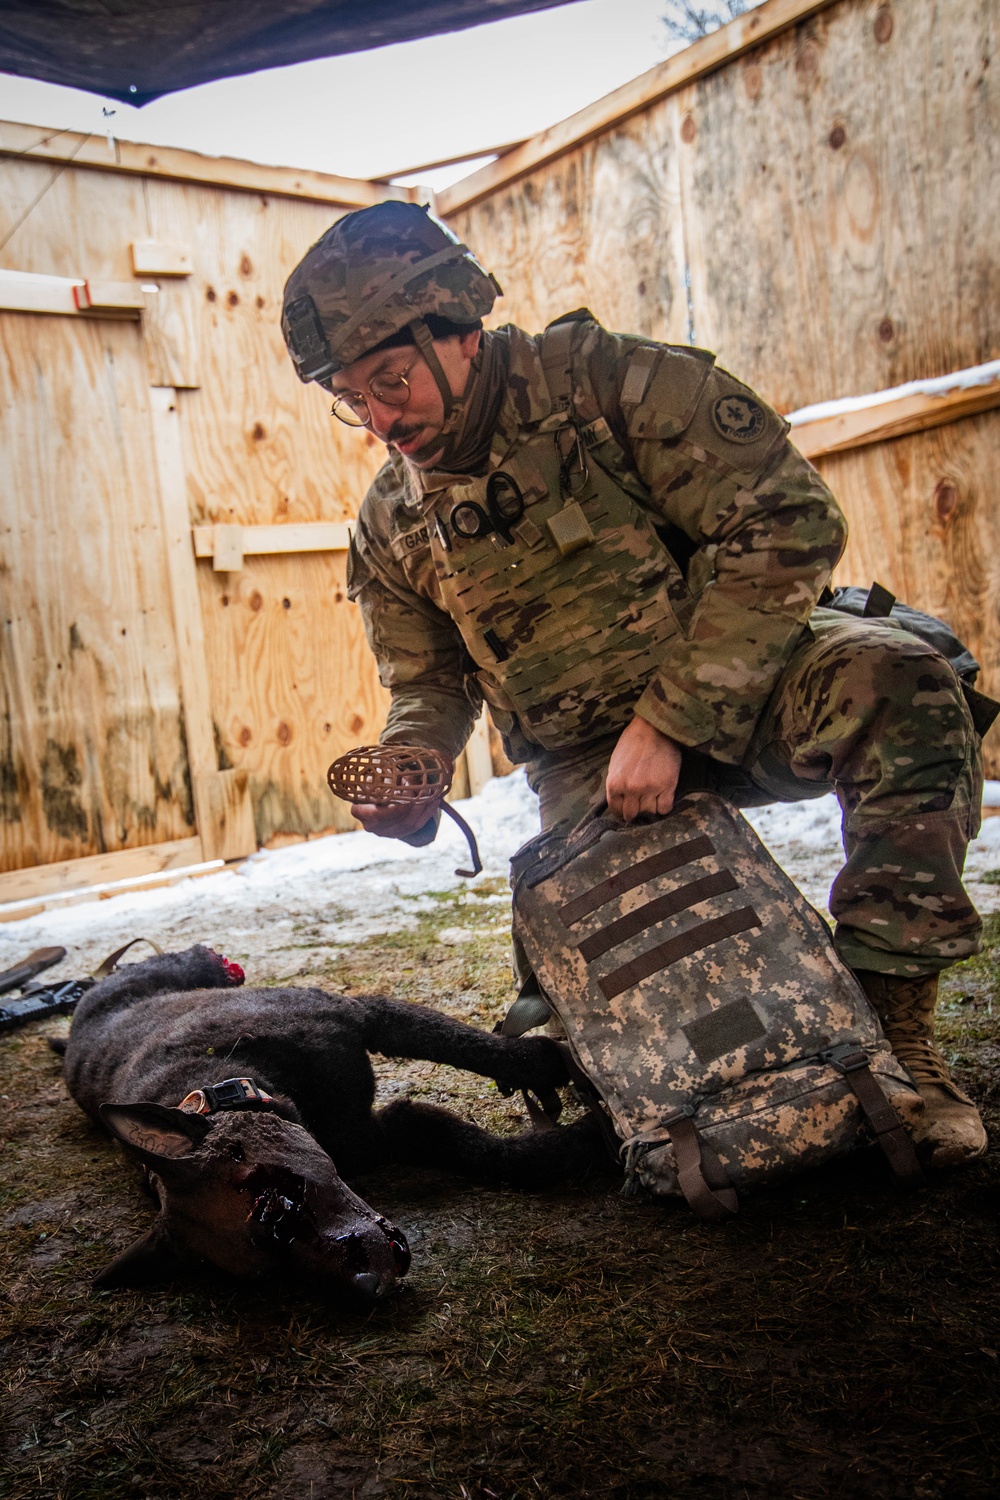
point(909, 1027)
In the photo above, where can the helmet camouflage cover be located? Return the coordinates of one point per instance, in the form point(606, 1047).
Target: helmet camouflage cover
point(372, 274)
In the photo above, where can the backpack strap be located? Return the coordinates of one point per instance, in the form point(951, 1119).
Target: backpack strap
point(701, 1176)
point(883, 1121)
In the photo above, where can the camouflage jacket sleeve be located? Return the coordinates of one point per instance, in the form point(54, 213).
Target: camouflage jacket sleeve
point(420, 653)
point(761, 530)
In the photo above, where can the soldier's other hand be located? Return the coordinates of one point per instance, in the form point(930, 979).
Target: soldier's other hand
point(642, 775)
point(393, 822)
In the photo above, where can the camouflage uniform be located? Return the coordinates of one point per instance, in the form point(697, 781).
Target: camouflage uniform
point(669, 559)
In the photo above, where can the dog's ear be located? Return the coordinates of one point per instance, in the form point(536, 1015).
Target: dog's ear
point(153, 1132)
point(148, 1260)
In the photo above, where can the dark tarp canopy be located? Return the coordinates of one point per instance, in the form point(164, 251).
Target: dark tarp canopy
point(136, 50)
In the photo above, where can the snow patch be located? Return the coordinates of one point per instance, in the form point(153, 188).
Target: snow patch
point(939, 385)
point(286, 913)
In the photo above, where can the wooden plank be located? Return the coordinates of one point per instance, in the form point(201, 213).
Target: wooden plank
point(92, 755)
point(172, 335)
point(229, 832)
point(223, 808)
point(450, 161)
point(891, 419)
point(150, 258)
point(258, 541)
point(227, 548)
point(56, 901)
point(478, 757)
point(183, 586)
point(109, 296)
point(705, 56)
point(97, 869)
point(923, 520)
point(136, 158)
point(72, 296)
point(21, 291)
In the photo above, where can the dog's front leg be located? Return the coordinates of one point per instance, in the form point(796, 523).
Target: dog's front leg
point(397, 1029)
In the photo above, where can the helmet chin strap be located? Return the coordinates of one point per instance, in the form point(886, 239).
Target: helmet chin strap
point(424, 342)
point(454, 406)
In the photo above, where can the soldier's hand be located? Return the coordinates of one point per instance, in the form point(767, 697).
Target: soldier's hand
point(393, 822)
point(642, 775)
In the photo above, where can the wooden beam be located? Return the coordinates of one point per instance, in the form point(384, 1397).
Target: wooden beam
point(70, 296)
point(704, 56)
point(32, 143)
point(295, 536)
point(149, 258)
point(223, 811)
point(478, 757)
point(98, 869)
point(450, 161)
point(109, 296)
point(230, 832)
point(892, 418)
point(183, 580)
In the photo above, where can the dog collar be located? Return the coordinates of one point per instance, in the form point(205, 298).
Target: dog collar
point(231, 1093)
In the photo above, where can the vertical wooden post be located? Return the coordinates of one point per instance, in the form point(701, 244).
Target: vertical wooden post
point(478, 758)
point(223, 810)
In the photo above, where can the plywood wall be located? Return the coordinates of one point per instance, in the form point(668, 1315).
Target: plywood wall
point(291, 682)
point(92, 745)
point(821, 212)
point(830, 195)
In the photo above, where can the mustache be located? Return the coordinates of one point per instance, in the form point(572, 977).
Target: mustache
point(399, 432)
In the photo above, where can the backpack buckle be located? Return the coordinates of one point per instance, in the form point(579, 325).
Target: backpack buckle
point(848, 1057)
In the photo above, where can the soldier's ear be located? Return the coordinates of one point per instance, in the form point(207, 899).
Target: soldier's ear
point(150, 1259)
point(155, 1133)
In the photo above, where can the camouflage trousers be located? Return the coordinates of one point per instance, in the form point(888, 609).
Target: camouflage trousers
point(868, 711)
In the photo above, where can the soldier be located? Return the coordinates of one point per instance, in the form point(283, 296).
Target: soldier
point(613, 543)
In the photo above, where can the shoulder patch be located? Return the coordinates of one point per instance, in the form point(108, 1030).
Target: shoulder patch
point(733, 430)
point(739, 418)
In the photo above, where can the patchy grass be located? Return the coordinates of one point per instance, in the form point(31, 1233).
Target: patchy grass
point(835, 1339)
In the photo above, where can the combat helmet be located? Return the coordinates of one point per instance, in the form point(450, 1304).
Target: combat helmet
point(372, 274)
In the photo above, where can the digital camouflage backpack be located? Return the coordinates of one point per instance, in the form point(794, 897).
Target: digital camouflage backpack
point(710, 1020)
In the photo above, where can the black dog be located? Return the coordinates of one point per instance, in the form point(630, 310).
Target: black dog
point(245, 1175)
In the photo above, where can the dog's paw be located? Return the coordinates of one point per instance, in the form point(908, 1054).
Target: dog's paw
point(537, 1063)
point(234, 974)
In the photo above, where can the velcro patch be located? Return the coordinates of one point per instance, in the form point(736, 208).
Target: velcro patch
point(637, 376)
point(409, 542)
point(724, 1030)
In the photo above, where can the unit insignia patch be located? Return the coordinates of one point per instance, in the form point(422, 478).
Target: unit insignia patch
point(738, 418)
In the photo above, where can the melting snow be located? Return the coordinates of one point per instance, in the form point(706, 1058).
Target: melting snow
point(287, 911)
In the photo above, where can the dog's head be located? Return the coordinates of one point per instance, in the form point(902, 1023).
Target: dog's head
point(253, 1194)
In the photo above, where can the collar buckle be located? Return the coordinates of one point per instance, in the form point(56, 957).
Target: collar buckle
point(230, 1093)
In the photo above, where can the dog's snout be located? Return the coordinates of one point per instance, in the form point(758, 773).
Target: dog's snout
point(366, 1284)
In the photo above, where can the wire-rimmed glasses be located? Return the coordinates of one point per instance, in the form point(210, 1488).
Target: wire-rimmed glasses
point(389, 388)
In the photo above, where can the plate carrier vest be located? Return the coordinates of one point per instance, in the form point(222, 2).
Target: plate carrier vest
point(567, 622)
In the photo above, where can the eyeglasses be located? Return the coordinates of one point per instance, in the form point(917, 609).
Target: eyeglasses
point(389, 388)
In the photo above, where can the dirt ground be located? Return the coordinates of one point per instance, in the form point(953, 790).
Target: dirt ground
point(836, 1339)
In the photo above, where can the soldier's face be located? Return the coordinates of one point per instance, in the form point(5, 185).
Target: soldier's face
point(411, 427)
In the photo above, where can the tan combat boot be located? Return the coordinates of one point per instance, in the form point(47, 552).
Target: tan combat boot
point(949, 1130)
